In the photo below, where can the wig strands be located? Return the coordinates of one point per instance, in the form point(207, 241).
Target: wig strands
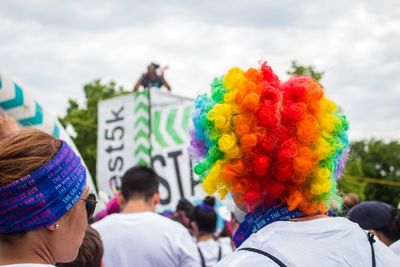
point(267, 141)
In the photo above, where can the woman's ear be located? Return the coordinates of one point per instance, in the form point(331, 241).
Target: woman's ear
point(157, 198)
point(54, 227)
point(237, 199)
point(194, 227)
point(121, 201)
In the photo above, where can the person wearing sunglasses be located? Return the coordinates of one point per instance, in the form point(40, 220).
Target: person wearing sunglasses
point(90, 205)
point(44, 200)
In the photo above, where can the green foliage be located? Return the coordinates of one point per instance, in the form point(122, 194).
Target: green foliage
point(379, 160)
point(353, 186)
point(84, 119)
point(297, 69)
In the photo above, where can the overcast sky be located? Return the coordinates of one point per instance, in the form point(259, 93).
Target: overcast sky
point(55, 47)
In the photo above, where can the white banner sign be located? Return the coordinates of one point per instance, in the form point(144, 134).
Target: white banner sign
point(128, 135)
point(114, 142)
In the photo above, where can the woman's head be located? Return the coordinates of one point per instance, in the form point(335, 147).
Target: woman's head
point(390, 233)
point(204, 217)
point(349, 201)
point(41, 183)
point(380, 218)
point(268, 141)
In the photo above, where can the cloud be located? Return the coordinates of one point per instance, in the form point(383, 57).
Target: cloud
point(56, 48)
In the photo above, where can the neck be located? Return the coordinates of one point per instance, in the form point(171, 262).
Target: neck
point(138, 205)
point(29, 249)
point(205, 236)
point(311, 217)
point(382, 238)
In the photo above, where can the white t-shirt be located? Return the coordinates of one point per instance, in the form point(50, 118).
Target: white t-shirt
point(395, 247)
point(146, 239)
point(210, 251)
point(226, 244)
point(323, 242)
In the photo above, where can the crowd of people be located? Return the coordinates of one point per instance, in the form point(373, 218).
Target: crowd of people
point(276, 147)
point(186, 237)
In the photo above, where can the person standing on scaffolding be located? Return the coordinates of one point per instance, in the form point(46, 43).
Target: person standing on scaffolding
point(152, 79)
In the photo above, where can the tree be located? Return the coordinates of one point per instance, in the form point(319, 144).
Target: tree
point(379, 165)
point(83, 119)
point(309, 70)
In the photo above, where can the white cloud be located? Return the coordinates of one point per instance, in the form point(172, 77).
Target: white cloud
point(55, 48)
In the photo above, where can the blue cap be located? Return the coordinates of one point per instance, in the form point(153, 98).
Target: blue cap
point(371, 214)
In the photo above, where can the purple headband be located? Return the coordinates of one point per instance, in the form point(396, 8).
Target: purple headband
point(42, 197)
point(206, 208)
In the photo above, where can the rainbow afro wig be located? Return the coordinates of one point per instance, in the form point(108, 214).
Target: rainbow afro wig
point(268, 141)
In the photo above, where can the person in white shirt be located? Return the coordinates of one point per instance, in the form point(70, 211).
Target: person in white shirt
point(138, 236)
point(279, 148)
point(324, 241)
point(381, 219)
point(203, 225)
point(395, 246)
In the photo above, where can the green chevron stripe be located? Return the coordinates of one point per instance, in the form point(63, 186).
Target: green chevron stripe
point(142, 134)
point(186, 119)
point(17, 101)
point(1, 83)
point(143, 162)
point(35, 120)
point(142, 148)
point(156, 129)
point(142, 106)
point(170, 127)
point(142, 120)
point(56, 131)
point(137, 94)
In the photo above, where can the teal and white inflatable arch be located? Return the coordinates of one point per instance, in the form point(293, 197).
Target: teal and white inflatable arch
point(16, 101)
